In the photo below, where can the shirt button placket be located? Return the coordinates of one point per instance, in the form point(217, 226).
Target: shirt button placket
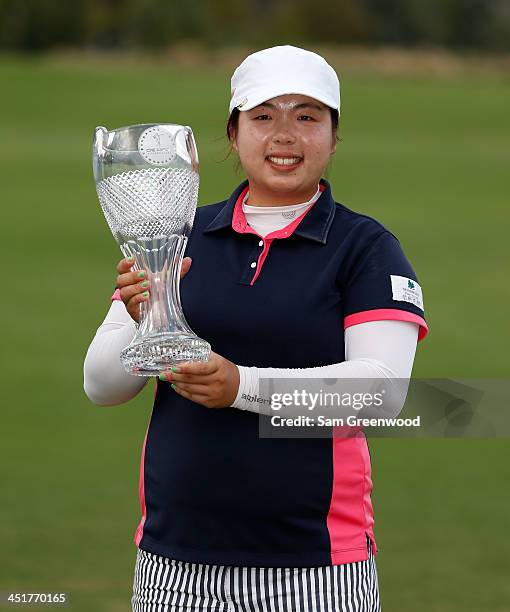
point(254, 263)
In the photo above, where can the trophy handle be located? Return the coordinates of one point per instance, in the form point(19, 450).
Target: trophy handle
point(98, 150)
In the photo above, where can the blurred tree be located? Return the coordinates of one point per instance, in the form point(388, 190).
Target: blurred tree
point(453, 23)
point(231, 22)
point(101, 22)
point(35, 25)
point(495, 31)
point(410, 22)
point(332, 21)
point(155, 24)
point(40, 24)
point(481, 23)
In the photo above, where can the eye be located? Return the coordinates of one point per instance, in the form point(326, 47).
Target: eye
point(261, 117)
point(306, 117)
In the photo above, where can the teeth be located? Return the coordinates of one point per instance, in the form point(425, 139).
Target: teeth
point(284, 161)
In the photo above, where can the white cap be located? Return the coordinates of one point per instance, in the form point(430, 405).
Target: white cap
point(283, 70)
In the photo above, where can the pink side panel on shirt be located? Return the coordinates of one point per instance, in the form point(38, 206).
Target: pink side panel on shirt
point(141, 493)
point(116, 295)
point(141, 482)
point(383, 314)
point(350, 516)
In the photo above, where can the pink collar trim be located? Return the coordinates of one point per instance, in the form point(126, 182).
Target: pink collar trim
point(240, 225)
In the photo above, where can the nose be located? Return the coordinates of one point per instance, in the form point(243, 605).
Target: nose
point(283, 137)
point(283, 134)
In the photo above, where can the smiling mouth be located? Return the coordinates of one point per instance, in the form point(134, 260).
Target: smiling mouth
point(284, 161)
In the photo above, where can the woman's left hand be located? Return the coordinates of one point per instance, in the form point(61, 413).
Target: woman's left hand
point(213, 383)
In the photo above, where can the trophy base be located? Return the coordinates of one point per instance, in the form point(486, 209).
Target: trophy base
point(153, 355)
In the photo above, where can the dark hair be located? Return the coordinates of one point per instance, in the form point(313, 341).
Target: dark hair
point(233, 122)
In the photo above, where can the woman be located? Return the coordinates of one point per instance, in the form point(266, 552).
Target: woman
point(285, 282)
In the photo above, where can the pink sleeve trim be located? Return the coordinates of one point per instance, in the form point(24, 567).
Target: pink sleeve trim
point(382, 314)
point(116, 295)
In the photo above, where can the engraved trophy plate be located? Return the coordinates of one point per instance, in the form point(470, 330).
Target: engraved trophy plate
point(147, 183)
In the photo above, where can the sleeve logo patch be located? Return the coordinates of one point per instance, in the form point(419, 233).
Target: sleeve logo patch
point(406, 290)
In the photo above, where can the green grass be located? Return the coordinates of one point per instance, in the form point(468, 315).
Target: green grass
point(427, 158)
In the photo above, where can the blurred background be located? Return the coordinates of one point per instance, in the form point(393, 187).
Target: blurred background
point(425, 150)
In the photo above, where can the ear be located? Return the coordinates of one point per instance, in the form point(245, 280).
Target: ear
point(233, 138)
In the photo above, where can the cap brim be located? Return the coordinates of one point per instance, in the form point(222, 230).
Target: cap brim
point(262, 97)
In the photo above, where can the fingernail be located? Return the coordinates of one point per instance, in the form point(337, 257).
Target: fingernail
point(130, 258)
point(145, 284)
point(173, 386)
point(145, 294)
point(141, 274)
point(175, 369)
point(162, 377)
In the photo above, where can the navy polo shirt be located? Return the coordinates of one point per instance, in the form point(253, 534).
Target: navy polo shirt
point(211, 490)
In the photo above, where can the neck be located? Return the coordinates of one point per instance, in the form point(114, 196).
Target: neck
point(261, 197)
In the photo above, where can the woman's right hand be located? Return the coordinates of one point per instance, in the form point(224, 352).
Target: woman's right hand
point(134, 286)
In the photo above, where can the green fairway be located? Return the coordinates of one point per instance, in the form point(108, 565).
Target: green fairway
point(427, 158)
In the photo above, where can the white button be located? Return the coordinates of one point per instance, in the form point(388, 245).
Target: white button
point(261, 243)
point(253, 264)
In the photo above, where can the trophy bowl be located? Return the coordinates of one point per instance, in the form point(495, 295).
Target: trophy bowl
point(147, 183)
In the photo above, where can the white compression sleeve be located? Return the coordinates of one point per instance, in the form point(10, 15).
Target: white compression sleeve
point(373, 350)
point(105, 381)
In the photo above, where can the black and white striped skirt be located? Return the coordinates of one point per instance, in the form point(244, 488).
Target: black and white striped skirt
point(166, 585)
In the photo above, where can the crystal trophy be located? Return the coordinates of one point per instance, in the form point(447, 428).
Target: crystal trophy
point(147, 184)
